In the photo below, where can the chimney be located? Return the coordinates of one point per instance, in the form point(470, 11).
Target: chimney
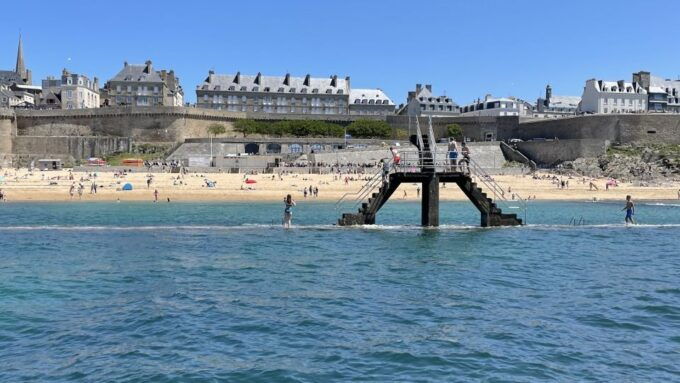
point(306, 82)
point(211, 72)
point(347, 81)
point(429, 87)
point(149, 67)
point(334, 81)
point(418, 88)
point(125, 64)
point(286, 80)
point(258, 78)
point(64, 72)
point(237, 78)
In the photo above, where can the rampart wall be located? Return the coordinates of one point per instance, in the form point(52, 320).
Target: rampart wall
point(550, 153)
point(617, 128)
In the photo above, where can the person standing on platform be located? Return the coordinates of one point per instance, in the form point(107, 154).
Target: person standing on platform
point(453, 154)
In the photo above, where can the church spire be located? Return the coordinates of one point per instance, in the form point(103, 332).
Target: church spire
point(20, 68)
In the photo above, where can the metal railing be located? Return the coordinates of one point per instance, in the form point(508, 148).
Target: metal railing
point(481, 176)
point(358, 196)
point(412, 162)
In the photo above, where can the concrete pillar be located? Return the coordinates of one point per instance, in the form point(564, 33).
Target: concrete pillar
point(430, 202)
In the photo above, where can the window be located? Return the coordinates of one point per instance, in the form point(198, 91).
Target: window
point(118, 88)
point(296, 148)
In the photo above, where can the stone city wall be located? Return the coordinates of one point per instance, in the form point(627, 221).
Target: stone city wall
point(7, 130)
point(551, 153)
point(68, 149)
point(617, 128)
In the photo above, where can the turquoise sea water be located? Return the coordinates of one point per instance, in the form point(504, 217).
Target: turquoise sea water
point(137, 292)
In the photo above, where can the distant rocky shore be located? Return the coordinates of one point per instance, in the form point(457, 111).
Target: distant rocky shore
point(629, 164)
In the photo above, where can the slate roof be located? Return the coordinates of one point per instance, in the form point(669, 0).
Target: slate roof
point(137, 73)
point(9, 77)
point(275, 84)
point(365, 96)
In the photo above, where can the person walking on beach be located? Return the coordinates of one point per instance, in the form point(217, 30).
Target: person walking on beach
point(630, 210)
point(80, 191)
point(2, 196)
point(72, 190)
point(288, 211)
point(155, 195)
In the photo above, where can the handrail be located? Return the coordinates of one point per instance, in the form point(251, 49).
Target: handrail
point(494, 187)
point(431, 139)
point(419, 134)
point(366, 188)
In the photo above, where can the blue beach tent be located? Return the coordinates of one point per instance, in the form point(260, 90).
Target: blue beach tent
point(127, 186)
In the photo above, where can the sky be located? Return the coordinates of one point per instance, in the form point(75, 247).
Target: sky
point(465, 49)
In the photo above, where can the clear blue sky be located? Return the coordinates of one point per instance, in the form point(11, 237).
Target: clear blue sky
point(463, 48)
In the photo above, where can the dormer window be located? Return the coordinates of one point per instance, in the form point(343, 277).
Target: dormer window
point(315, 90)
point(329, 91)
point(291, 90)
point(371, 102)
point(303, 90)
point(357, 101)
point(340, 91)
point(232, 88)
point(281, 90)
point(243, 89)
point(266, 89)
point(256, 89)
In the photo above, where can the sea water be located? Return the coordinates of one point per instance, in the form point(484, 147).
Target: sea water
point(184, 292)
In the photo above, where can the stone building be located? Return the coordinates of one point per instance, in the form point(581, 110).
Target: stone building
point(71, 91)
point(663, 95)
point(370, 102)
point(274, 94)
point(555, 106)
point(142, 85)
point(16, 89)
point(603, 97)
point(422, 102)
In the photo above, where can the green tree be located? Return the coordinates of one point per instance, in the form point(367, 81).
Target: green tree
point(454, 130)
point(216, 129)
point(369, 129)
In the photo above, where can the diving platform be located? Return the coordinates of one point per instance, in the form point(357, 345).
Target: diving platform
point(429, 168)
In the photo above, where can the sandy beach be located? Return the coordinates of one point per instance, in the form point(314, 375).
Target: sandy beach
point(24, 185)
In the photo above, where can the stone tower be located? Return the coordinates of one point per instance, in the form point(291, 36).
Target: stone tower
point(20, 68)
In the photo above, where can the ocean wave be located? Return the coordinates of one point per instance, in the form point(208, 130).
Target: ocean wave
point(661, 204)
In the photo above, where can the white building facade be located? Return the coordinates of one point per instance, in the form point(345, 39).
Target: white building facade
point(607, 97)
point(496, 106)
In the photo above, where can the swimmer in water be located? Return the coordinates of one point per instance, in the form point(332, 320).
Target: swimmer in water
point(630, 210)
point(288, 211)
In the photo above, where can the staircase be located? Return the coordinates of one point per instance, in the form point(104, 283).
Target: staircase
point(492, 215)
point(368, 210)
